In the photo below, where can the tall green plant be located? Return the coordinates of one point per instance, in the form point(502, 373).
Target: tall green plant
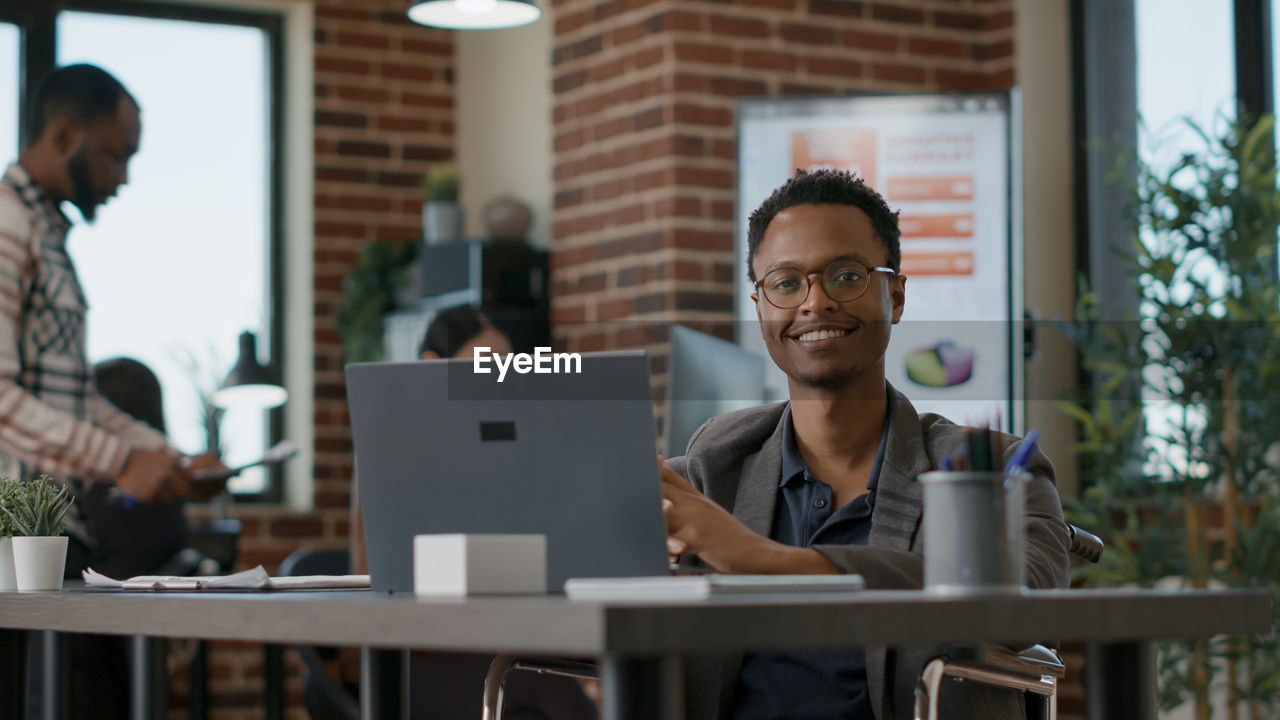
point(39, 508)
point(1205, 354)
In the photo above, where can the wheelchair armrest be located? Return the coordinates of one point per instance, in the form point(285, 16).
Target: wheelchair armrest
point(496, 680)
point(1085, 544)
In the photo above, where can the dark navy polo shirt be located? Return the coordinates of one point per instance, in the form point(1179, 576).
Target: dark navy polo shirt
point(813, 685)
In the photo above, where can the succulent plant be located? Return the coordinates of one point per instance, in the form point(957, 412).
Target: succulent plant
point(37, 508)
point(9, 491)
point(441, 182)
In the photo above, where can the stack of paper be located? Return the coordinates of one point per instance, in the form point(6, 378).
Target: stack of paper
point(702, 587)
point(255, 579)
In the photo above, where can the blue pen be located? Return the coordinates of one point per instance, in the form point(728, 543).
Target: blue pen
point(116, 495)
point(1023, 453)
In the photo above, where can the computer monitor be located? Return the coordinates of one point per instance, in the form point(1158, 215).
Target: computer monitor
point(706, 376)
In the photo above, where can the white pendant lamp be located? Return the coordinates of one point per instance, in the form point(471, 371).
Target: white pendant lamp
point(474, 14)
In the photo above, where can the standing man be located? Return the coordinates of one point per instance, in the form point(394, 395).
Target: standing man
point(826, 483)
point(84, 129)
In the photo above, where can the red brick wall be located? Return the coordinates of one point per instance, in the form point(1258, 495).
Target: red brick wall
point(645, 149)
point(384, 109)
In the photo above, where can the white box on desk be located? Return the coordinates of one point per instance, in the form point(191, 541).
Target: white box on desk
point(465, 564)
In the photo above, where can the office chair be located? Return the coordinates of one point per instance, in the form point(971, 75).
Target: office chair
point(1035, 670)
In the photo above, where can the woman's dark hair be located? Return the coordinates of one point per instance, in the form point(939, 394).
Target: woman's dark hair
point(826, 187)
point(452, 329)
point(132, 387)
point(83, 93)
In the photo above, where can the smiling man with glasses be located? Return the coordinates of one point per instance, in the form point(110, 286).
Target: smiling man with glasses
point(826, 483)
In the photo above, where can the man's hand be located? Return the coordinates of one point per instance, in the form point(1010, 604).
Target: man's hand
point(206, 464)
point(697, 524)
point(150, 475)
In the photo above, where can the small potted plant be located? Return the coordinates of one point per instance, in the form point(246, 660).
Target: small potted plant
point(9, 490)
point(38, 514)
point(441, 213)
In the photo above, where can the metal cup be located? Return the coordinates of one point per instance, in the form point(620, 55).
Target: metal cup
point(974, 532)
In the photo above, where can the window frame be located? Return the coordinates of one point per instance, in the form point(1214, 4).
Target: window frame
point(37, 24)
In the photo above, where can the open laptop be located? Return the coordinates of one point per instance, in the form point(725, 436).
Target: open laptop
point(443, 449)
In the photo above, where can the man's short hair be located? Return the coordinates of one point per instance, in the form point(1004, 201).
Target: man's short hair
point(83, 93)
point(826, 187)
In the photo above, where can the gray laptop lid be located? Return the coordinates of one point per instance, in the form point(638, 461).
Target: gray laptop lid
point(441, 449)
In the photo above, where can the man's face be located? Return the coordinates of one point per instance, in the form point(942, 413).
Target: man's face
point(825, 343)
point(100, 164)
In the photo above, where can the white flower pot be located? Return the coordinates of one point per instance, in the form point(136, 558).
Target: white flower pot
point(8, 583)
point(441, 222)
point(39, 562)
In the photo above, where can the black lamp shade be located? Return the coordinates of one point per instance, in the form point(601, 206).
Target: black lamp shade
point(474, 14)
point(249, 384)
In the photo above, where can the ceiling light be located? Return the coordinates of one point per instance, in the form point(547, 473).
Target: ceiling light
point(474, 14)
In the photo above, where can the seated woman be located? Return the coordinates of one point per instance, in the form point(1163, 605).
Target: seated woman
point(134, 538)
point(449, 686)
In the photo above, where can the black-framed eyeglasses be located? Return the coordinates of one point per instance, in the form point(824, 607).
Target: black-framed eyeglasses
point(842, 280)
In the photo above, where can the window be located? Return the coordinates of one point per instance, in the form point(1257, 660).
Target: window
point(9, 64)
point(1186, 73)
point(177, 265)
point(1185, 70)
point(187, 256)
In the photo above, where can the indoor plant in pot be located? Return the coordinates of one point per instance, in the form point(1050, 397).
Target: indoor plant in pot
point(9, 490)
point(441, 213)
point(1179, 443)
point(370, 291)
point(38, 514)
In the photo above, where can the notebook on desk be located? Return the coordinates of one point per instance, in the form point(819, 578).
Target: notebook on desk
point(443, 449)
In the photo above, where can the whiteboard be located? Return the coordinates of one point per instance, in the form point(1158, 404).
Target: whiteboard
point(945, 162)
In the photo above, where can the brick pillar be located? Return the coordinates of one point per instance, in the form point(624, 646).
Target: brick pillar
point(383, 111)
point(645, 148)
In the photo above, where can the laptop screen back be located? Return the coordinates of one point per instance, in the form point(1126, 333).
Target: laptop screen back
point(442, 449)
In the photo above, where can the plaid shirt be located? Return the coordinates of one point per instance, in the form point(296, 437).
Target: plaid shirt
point(52, 418)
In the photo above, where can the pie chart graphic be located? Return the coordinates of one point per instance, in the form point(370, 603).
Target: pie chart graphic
point(943, 365)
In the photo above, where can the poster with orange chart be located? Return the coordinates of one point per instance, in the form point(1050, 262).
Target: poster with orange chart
point(943, 163)
point(852, 150)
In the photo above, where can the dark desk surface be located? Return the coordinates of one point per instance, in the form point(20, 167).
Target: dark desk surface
point(552, 624)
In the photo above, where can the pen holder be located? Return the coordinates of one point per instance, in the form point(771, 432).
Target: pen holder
point(974, 532)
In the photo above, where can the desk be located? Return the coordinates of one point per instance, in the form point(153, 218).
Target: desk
point(639, 645)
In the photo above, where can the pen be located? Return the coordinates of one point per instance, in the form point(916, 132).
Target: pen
point(1023, 453)
point(980, 450)
point(116, 495)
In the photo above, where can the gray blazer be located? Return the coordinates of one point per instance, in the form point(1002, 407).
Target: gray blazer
point(736, 459)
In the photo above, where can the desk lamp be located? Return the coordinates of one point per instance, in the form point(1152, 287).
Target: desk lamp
point(249, 384)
